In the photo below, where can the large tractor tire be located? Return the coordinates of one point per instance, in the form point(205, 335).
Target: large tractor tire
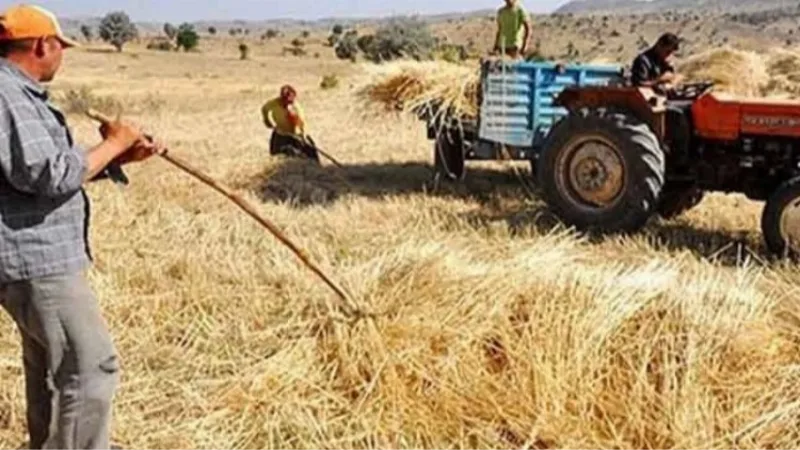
point(602, 171)
point(677, 200)
point(780, 221)
point(448, 155)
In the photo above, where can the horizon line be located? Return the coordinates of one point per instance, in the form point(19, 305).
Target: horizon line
point(318, 19)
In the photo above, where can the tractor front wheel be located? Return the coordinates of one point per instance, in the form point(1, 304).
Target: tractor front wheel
point(780, 221)
point(602, 171)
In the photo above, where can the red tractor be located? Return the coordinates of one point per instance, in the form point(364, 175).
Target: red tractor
point(624, 154)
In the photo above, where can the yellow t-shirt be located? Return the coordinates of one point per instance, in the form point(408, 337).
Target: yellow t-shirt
point(276, 116)
point(510, 21)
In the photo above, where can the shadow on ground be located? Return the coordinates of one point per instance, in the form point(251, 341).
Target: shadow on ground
point(303, 184)
point(501, 195)
point(728, 248)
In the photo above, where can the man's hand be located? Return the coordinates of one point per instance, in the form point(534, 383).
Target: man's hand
point(140, 151)
point(121, 134)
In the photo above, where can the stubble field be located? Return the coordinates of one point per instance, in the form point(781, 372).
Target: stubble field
point(489, 326)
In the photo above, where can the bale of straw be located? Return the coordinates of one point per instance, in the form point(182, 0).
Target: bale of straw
point(734, 71)
point(435, 91)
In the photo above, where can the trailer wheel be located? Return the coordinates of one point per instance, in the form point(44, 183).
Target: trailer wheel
point(448, 155)
point(602, 171)
point(780, 221)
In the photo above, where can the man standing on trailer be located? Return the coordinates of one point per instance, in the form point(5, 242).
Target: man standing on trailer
point(511, 20)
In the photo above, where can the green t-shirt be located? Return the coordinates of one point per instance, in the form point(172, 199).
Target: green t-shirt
point(510, 21)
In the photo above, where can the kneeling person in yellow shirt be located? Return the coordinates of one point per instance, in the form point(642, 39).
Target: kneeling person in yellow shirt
point(285, 117)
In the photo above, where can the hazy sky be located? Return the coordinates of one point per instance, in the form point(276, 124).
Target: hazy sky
point(191, 10)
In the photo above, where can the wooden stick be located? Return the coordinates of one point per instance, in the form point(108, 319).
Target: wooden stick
point(242, 203)
point(321, 152)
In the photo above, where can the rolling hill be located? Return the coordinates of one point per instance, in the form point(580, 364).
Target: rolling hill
point(652, 6)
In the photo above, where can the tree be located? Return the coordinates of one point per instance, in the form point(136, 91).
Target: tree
point(187, 37)
point(212, 30)
point(271, 33)
point(337, 29)
point(86, 31)
point(403, 38)
point(117, 29)
point(170, 31)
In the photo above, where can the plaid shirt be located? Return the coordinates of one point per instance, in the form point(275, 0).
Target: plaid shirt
point(44, 211)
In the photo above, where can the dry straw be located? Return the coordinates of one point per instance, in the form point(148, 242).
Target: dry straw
point(774, 74)
point(435, 91)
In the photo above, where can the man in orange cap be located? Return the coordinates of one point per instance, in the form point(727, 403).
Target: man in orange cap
point(44, 249)
point(284, 115)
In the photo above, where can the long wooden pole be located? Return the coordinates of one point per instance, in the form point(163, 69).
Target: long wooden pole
point(350, 308)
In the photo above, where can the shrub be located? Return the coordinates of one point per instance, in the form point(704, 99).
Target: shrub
point(117, 29)
point(86, 31)
point(170, 31)
point(337, 30)
point(402, 38)
point(78, 101)
point(160, 44)
point(271, 33)
point(212, 30)
point(244, 50)
point(295, 51)
point(297, 43)
point(451, 53)
point(329, 82)
point(187, 38)
point(347, 48)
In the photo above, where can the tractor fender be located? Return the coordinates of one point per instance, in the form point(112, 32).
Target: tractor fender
point(643, 103)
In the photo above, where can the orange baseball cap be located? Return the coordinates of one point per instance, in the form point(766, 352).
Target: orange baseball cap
point(31, 22)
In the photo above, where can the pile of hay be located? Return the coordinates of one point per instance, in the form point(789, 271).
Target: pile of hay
point(431, 90)
point(784, 73)
point(772, 74)
point(733, 71)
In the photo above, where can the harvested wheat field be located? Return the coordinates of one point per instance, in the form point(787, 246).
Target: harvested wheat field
point(486, 325)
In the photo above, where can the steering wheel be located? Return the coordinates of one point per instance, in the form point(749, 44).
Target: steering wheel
point(690, 91)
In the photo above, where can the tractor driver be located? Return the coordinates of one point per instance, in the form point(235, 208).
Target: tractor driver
point(651, 68)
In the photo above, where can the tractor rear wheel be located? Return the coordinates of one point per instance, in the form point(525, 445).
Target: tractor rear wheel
point(602, 171)
point(448, 154)
point(780, 221)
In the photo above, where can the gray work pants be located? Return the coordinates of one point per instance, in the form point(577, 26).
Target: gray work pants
point(71, 368)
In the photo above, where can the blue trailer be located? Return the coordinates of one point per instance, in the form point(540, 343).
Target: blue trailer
point(516, 112)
